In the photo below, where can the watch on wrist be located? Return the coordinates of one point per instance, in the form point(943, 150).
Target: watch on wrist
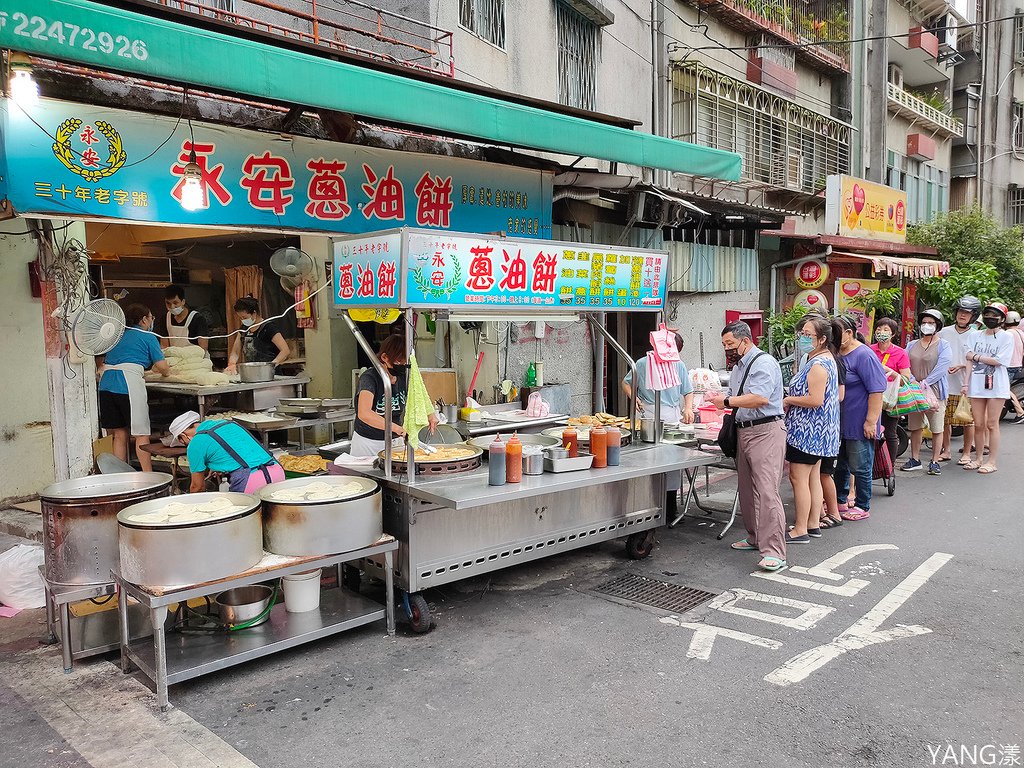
point(726, 403)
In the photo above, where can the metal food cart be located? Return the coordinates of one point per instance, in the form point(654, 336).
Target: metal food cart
point(450, 523)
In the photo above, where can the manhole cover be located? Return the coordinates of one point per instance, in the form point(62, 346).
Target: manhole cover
point(660, 594)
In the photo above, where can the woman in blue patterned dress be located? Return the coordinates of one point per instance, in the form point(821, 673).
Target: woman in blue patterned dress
point(812, 423)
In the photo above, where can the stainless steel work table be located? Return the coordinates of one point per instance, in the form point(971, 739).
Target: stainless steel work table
point(469, 490)
point(189, 656)
point(456, 526)
point(297, 385)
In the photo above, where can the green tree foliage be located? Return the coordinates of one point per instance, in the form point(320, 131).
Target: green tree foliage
point(971, 240)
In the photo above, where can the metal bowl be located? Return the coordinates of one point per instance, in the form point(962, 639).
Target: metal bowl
point(256, 373)
point(243, 604)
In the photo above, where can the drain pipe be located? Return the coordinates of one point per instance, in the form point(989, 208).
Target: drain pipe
point(775, 279)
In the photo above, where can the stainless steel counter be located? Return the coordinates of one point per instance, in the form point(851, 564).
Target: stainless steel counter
point(468, 490)
point(195, 390)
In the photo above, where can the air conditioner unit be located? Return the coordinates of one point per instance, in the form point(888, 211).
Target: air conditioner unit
point(896, 75)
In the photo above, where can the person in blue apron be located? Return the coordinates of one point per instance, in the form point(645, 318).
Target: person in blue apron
point(222, 446)
point(123, 400)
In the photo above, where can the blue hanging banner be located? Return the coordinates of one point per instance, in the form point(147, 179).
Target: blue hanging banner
point(70, 160)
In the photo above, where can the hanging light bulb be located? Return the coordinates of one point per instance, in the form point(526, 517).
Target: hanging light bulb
point(192, 191)
point(24, 89)
point(192, 198)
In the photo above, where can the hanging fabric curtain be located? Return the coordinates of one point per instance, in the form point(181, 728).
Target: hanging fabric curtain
point(240, 282)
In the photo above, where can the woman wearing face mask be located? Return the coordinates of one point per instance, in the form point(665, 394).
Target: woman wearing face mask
point(260, 341)
point(124, 402)
point(368, 436)
point(859, 421)
point(930, 357)
point(988, 354)
point(896, 363)
point(812, 426)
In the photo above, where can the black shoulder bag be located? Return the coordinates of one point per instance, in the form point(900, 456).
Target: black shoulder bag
point(727, 438)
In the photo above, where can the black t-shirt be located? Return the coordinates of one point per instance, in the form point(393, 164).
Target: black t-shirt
point(370, 381)
point(198, 327)
point(258, 344)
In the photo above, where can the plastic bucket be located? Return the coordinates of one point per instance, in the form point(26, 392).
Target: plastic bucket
point(302, 591)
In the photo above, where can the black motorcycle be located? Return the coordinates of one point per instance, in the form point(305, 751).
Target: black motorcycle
point(1017, 387)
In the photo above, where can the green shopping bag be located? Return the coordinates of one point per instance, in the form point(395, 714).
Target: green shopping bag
point(911, 399)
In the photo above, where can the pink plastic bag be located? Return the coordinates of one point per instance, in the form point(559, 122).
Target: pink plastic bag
point(663, 344)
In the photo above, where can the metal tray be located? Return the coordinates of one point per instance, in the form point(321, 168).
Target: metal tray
point(299, 410)
point(316, 402)
point(568, 465)
point(280, 422)
point(544, 441)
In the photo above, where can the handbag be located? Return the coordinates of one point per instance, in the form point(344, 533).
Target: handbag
point(728, 440)
point(911, 399)
point(931, 398)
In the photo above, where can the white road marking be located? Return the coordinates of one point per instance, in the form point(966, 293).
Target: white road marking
point(849, 589)
point(703, 640)
point(812, 612)
point(826, 568)
point(865, 631)
point(78, 706)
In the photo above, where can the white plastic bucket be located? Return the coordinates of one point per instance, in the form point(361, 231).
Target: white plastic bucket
point(302, 591)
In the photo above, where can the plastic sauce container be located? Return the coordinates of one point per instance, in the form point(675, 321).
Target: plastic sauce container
point(599, 446)
point(614, 443)
point(496, 462)
point(514, 459)
point(571, 440)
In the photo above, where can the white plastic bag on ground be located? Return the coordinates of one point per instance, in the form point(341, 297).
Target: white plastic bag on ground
point(21, 586)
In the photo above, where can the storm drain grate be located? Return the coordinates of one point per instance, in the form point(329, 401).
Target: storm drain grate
point(660, 594)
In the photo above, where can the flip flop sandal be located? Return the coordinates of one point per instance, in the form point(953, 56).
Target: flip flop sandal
point(945, 458)
point(834, 522)
point(743, 545)
point(853, 517)
point(972, 466)
point(963, 461)
point(772, 564)
point(825, 523)
point(987, 469)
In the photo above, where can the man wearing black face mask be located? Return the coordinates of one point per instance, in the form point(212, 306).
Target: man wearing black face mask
point(368, 436)
point(755, 395)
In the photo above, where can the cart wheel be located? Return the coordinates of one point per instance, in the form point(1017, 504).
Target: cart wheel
point(890, 486)
point(640, 545)
point(419, 614)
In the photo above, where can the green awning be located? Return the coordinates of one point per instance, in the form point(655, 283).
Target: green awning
point(118, 40)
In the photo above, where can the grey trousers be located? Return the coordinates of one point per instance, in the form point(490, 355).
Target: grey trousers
point(759, 460)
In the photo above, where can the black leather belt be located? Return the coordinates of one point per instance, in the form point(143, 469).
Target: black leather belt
point(755, 422)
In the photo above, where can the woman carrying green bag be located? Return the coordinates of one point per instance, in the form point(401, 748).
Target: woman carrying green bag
point(930, 357)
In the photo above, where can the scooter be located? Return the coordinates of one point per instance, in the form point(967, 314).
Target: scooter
point(1017, 387)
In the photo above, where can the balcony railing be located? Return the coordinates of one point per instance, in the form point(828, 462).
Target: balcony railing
point(910, 106)
point(346, 26)
point(819, 27)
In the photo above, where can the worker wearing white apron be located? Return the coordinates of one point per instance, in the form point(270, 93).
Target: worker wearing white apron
point(123, 400)
point(193, 332)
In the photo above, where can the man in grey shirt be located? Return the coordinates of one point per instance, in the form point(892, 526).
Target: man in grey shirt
point(761, 439)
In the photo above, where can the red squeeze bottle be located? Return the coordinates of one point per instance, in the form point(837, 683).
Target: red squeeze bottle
point(599, 447)
point(570, 440)
point(514, 459)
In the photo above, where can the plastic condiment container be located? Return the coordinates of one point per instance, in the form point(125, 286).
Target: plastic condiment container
point(539, 367)
point(496, 462)
point(599, 446)
point(514, 459)
point(571, 440)
point(614, 443)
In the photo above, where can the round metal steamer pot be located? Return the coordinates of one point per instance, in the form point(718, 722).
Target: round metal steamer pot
point(163, 555)
point(310, 528)
point(80, 522)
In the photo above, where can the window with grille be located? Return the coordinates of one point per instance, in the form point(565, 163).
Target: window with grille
point(1018, 125)
point(1018, 37)
point(484, 18)
point(577, 58)
point(1015, 206)
point(783, 144)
